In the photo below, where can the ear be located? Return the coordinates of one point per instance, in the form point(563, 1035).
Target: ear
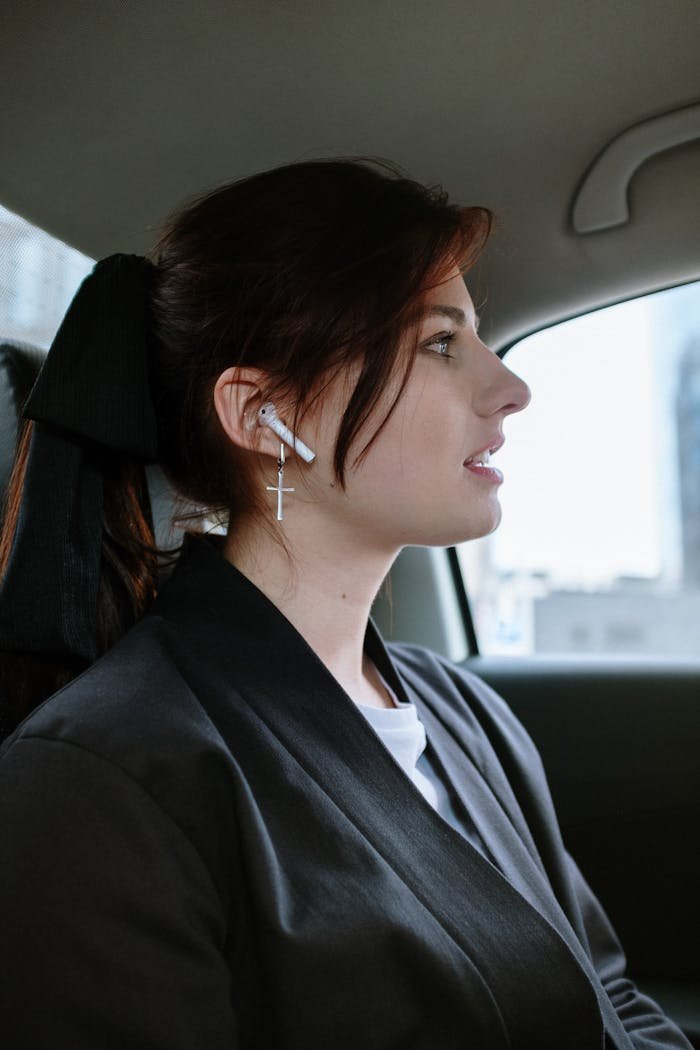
point(237, 398)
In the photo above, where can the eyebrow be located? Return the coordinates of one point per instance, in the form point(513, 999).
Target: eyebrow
point(453, 312)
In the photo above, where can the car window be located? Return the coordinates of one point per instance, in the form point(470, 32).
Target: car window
point(599, 546)
point(38, 277)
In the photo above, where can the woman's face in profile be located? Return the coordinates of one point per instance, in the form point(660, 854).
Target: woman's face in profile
point(426, 479)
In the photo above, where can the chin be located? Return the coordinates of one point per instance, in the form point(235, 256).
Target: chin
point(452, 535)
point(446, 527)
point(482, 525)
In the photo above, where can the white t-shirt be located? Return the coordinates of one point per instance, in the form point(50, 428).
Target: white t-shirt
point(403, 734)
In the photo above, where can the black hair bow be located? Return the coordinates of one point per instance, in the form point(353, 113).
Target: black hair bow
point(92, 394)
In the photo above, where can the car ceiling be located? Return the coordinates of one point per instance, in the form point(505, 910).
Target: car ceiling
point(113, 113)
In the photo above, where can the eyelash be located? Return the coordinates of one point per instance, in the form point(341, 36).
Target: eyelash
point(443, 338)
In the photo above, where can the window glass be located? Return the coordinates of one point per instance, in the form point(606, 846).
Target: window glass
point(599, 546)
point(38, 278)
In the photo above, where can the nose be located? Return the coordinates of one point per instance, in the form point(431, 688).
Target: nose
point(519, 394)
point(500, 389)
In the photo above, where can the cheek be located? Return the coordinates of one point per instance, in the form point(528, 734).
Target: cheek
point(418, 455)
point(408, 462)
point(434, 435)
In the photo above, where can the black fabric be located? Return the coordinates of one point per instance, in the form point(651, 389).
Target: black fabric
point(92, 394)
point(207, 845)
point(95, 383)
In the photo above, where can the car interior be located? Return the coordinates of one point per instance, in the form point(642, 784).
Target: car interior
point(578, 124)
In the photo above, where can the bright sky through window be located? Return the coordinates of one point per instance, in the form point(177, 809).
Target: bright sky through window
point(579, 498)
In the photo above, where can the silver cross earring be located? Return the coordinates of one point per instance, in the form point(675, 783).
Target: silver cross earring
point(267, 417)
point(279, 487)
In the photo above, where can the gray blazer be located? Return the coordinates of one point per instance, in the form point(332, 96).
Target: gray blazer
point(205, 845)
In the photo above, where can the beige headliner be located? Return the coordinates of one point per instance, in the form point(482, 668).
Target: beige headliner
point(113, 112)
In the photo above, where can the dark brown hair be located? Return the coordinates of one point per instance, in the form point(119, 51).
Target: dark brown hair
point(301, 272)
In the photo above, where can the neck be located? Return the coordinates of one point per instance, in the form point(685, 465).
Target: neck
point(324, 584)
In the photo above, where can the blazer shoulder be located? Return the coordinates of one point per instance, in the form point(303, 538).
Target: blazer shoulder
point(449, 677)
point(467, 695)
point(134, 711)
point(127, 684)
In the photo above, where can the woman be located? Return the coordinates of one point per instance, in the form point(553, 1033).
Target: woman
point(229, 831)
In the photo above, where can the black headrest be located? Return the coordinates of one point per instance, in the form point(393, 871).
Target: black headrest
point(19, 365)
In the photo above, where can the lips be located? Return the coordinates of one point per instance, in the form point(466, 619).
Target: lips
point(479, 463)
point(483, 456)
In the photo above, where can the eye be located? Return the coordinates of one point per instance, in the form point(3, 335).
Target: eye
point(439, 344)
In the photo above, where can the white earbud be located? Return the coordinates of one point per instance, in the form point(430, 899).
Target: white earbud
point(267, 417)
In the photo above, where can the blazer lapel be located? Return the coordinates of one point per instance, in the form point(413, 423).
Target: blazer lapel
point(484, 792)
